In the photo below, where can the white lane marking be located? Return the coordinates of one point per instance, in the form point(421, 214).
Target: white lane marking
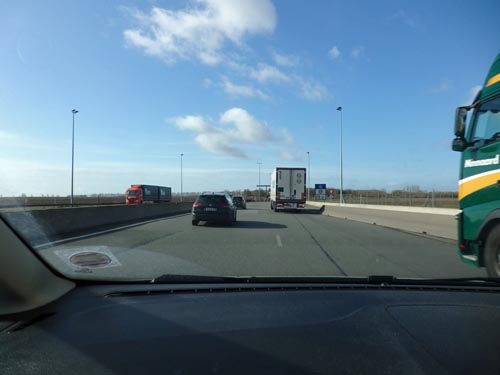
point(106, 231)
point(278, 240)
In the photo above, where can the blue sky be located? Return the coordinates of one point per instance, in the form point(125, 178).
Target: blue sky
point(232, 83)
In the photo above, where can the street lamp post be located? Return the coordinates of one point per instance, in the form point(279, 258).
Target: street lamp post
point(341, 176)
point(74, 111)
point(181, 176)
point(260, 163)
point(308, 174)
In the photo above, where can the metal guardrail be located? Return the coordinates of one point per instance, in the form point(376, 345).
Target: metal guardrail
point(9, 202)
point(59, 201)
point(388, 200)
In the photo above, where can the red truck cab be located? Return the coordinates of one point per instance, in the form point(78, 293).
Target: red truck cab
point(133, 195)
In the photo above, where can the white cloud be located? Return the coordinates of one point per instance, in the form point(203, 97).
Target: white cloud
point(236, 129)
point(357, 52)
point(291, 157)
point(287, 138)
point(6, 136)
point(284, 60)
point(411, 21)
point(441, 87)
point(235, 90)
point(247, 127)
point(312, 90)
point(334, 52)
point(308, 88)
point(201, 31)
point(266, 73)
point(20, 141)
point(219, 143)
point(207, 83)
point(472, 94)
point(194, 123)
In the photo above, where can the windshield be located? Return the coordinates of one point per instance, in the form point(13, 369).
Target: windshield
point(126, 127)
point(487, 120)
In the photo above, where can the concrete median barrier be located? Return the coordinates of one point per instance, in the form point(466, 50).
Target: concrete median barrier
point(439, 222)
point(39, 226)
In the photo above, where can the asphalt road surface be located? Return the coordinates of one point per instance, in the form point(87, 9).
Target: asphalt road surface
point(264, 243)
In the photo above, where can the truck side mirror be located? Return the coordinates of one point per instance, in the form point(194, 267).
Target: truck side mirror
point(460, 117)
point(458, 144)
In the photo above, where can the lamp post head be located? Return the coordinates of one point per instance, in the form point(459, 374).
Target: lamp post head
point(339, 108)
point(74, 111)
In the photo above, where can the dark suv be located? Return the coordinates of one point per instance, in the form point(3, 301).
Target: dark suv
point(239, 201)
point(214, 207)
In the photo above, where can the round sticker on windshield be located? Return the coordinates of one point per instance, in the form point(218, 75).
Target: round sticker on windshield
point(90, 259)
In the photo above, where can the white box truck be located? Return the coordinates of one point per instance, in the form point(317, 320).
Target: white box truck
point(288, 189)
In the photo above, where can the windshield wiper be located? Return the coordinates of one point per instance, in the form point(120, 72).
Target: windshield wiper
point(494, 138)
point(477, 143)
point(459, 281)
point(474, 280)
point(383, 280)
point(193, 279)
point(196, 279)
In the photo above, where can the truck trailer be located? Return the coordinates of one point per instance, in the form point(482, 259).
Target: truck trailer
point(288, 189)
point(139, 194)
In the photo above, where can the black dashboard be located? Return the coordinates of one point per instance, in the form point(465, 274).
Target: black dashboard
point(257, 329)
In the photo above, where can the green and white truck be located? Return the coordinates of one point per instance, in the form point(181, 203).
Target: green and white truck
point(479, 184)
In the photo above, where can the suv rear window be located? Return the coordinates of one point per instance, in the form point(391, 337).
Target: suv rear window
point(237, 199)
point(212, 199)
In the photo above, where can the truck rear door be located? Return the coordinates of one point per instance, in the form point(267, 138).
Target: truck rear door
point(297, 183)
point(283, 185)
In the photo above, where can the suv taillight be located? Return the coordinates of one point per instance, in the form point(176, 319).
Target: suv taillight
point(197, 205)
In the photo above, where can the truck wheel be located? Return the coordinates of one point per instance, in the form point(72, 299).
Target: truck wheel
point(492, 252)
point(194, 222)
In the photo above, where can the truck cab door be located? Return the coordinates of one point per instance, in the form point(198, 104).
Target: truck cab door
point(480, 180)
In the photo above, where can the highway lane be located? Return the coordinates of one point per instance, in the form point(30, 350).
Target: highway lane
point(266, 243)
